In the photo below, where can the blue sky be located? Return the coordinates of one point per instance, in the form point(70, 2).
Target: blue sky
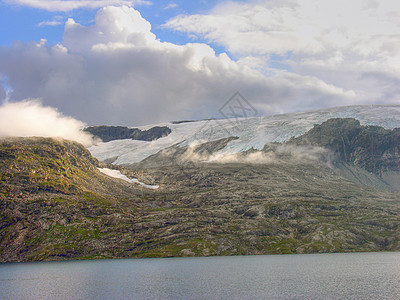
point(105, 65)
point(22, 23)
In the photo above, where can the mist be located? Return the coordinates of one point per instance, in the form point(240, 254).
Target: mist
point(271, 154)
point(31, 118)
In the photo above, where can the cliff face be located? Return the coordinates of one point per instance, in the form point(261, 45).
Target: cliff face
point(373, 148)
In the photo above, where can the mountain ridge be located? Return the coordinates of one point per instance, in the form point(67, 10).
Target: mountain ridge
point(251, 132)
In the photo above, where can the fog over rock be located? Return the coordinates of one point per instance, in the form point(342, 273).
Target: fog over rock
point(31, 118)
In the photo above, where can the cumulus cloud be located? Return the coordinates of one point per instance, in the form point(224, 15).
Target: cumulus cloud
point(31, 118)
point(350, 45)
point(68, 5)
point(264, 26)
point(117, 72)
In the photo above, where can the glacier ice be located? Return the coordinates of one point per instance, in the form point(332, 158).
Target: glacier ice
point(252, 132)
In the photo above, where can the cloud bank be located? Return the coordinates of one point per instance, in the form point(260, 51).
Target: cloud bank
point(31, 118)
point(353, 46)
point(289, 56)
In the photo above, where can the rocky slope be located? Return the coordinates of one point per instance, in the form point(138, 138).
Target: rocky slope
point(56, 205)
point(53, 199)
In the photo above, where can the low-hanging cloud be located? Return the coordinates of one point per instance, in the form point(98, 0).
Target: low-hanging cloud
point(277, 153)
point(271, 154)
point(31, 118)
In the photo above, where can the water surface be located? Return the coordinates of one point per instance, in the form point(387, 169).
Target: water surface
point(315, 276)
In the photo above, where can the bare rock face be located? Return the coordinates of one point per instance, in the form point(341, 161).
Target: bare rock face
point(111, 133)
point(373, 148)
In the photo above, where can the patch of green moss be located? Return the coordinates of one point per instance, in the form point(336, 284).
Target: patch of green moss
point(71, 233)
point(196, 246)
point(281, 246)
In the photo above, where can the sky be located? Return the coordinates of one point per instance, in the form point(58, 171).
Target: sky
point(121, 62)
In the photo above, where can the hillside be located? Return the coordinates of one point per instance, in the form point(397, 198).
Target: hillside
point(56, 205)
point(54, 201)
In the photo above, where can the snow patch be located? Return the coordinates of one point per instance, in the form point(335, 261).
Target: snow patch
point(117, 174)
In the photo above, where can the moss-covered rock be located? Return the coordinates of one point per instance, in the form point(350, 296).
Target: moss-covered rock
point(56, 205)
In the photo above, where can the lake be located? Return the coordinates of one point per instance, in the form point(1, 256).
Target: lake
point(311, 276)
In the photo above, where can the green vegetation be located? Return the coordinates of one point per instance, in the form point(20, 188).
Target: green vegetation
point(56, 205)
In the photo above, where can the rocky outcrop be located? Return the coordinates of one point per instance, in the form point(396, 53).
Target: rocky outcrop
point(372, 148)
point(111, 133)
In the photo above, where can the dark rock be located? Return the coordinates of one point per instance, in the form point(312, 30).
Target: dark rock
point(372, 148)
point(110, 133)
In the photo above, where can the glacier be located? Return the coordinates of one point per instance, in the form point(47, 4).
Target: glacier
point(251, 132)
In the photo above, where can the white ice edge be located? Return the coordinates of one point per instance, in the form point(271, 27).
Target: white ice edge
point(117, 174)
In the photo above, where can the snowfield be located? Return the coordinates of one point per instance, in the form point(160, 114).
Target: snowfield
point(252, 132)
point(117, 174)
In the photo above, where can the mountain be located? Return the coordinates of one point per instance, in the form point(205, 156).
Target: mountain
point(251, 132)
point(201, 196)
point(367, 155)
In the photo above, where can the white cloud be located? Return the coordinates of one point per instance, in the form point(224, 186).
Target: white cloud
point(353, 45)
point(171, 6)
point(68, 5)
point(262, 27)
point(31, 118)
point(116, 71)
point(50, 23)
point(55, 21)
